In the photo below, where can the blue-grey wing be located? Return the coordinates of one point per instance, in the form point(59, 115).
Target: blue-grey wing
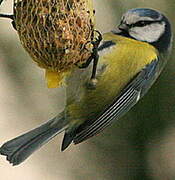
point(123, 103)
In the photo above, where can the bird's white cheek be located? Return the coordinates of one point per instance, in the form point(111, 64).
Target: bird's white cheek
point(149, 33)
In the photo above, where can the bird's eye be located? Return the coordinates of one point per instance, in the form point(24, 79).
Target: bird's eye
point(140, 23)
point(144, 23)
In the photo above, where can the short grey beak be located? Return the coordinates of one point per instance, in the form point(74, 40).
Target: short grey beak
point(123, 27)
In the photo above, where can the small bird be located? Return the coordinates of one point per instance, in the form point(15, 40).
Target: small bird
point(131, 57)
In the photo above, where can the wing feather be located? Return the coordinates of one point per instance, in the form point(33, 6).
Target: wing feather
point(123, 103)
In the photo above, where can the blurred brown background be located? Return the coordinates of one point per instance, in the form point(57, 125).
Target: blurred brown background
point(140, 146)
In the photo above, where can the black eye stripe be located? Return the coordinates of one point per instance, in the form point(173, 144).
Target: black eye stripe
point(143, 23)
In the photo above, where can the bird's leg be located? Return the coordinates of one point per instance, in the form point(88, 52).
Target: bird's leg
point(86, 64)
point(93, 81)
point(91, 84)
point(10, 16)
point(94, 56)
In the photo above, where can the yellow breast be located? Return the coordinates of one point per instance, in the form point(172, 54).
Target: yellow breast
point(123, 61)
point(126, 59)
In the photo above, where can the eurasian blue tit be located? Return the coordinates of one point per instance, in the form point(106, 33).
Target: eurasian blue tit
point(131, 57)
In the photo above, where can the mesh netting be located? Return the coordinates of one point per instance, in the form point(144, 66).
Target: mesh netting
point(55, 32)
